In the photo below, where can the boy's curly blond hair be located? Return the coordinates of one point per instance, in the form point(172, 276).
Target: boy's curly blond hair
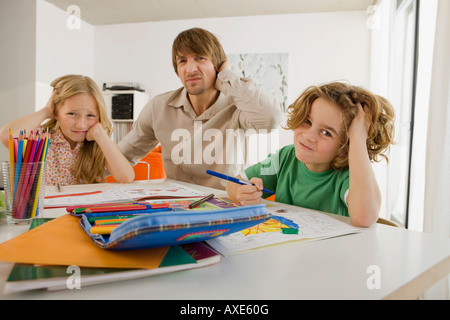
point(381, 130)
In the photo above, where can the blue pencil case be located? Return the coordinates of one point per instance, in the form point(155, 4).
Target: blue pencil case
point(171, 228)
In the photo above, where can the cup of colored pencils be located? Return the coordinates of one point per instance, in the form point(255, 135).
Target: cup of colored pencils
point(24, 176)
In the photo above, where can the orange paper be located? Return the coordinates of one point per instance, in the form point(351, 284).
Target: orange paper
point(61, 241)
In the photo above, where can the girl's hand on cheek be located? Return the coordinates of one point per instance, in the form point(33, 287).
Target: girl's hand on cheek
point(94, 132)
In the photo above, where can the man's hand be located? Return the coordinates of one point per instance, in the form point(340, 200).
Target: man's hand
point(226, 65)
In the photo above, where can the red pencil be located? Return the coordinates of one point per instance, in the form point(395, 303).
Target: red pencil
point(113, 209)
point(72, 194)
point(71, 208)
point(23, 181)
point(31, 182)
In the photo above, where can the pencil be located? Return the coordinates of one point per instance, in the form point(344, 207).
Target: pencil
point(202, 200)
point(26, 172)
point(11, 148)
point(105, 218)
point(18, 164)
point(42, 158)
point(102, 229)
point(110, 221)
point(12, 160)
point(24, 142)
point(131, 207)
point(73, 194)
point(232, 179)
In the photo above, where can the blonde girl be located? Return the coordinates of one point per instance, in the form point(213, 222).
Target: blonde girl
point(80, 147)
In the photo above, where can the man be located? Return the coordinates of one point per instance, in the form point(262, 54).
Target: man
point(203, 124)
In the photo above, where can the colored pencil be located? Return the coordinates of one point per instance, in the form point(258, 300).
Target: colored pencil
point(199, 202)
point(42, 157)
point(232, 179)
point(110, 221)
point(105, 218)
point(73, 194)
point(72, 208)
point(102, 230)
point(22, 179)
point(24, 153)
point(110, 209)
point(12, 161)
point(28, 171)
point(18, 163)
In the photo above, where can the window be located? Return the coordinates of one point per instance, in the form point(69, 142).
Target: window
point(402, 66)
point(402, 45)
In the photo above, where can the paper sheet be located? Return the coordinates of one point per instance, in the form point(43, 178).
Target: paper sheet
point(289, 223)
point(120, 194)
point(62, 242)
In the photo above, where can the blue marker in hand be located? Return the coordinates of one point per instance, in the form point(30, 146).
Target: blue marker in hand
point(232, 179)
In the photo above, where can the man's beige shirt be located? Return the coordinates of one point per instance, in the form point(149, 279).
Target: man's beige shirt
point(215, 140)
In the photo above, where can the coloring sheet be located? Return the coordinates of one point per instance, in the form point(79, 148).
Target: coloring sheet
point(288, 223)
point(159, 191)
point(120, 194)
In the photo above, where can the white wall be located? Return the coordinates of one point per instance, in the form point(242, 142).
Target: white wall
point(60, 50)
point(17, 60)
point(322, 47)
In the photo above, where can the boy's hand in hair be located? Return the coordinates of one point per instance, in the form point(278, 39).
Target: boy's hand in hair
point(359, 128)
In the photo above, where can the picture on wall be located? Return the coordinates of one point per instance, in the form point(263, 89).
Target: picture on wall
point(268, 70)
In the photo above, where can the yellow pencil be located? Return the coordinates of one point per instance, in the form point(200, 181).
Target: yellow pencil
point(41, 169)
point(102, 229)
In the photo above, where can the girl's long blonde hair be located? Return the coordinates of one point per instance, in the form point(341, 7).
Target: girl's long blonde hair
point(381, 130)
point(89, 167)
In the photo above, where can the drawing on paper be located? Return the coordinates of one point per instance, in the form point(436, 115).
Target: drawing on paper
point(274, 224)
point(211, 204)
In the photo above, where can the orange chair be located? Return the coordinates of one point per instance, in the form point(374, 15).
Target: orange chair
point(150, 167)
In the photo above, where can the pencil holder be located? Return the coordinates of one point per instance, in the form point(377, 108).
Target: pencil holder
point(24, 186)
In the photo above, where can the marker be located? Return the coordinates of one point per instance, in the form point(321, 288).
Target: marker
point(102, 230)
point(199, 202)
point(110, 221)
point(105, 218)
point(232, 179)
point(131, 207)
point(125, 214)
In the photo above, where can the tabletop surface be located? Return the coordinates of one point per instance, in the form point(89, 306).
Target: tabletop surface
point(379, 262)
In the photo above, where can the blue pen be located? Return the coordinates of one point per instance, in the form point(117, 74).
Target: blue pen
point(232, 179)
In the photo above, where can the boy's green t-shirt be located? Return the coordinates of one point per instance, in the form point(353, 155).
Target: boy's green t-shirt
point(294, 184)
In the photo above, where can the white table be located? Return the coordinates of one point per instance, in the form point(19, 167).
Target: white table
point(407, 263)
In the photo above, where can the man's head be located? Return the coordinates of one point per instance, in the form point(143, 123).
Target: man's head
point(197, 41)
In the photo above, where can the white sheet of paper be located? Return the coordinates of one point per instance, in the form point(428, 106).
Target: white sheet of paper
point(312, 225)
point(120, 194)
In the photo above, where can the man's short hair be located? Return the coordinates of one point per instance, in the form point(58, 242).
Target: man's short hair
point(197, 41)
